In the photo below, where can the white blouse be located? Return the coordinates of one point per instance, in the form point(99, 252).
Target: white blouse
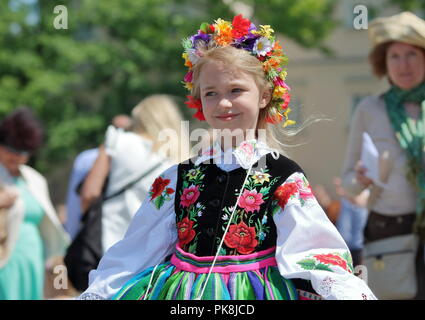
point(308, 245)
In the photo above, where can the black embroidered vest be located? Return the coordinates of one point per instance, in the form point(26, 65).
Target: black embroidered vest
point(204, 201)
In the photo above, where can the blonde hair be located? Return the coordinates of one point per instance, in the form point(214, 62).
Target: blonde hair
point(242, 60)
point(156, 113)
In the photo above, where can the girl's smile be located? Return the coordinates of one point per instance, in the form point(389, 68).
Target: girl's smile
point(227, 116)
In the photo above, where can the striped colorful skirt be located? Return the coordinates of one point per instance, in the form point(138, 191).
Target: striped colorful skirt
point(246, 277)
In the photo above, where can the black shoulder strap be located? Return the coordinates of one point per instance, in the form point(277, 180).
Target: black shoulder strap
point(146, 173)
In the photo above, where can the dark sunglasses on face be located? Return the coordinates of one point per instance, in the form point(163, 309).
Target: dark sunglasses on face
point(15, 150)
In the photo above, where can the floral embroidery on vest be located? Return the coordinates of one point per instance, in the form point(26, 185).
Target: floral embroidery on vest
point(159, 193)
point(191, 189)
point(247, 230)
point(206, 196)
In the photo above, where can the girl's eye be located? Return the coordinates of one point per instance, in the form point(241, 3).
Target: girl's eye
point(237, 90)
point(210, 93)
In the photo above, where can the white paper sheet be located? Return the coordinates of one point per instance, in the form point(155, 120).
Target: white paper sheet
point(370, 159)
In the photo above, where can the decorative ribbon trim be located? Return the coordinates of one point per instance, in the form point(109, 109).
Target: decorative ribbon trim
point(224, 264)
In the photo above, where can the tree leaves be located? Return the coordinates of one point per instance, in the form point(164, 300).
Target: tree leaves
point(114, 53)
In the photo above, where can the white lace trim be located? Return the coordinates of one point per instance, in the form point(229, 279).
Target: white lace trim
point(90, 296)
point(331, 288)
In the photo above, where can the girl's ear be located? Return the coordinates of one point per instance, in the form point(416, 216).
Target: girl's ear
point(265, 98)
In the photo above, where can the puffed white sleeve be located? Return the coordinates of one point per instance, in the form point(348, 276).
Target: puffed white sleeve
point(149, 239)
point(310, 247)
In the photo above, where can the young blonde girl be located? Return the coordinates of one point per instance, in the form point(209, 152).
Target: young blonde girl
point(239, 221)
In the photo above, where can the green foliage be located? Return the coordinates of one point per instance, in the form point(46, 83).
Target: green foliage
point(114, 53)
point(305, 21)
point(409, 5)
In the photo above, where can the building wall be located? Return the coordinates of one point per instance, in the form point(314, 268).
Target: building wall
point(330, 87)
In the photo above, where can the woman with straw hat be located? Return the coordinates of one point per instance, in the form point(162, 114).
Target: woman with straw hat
point(395, 121)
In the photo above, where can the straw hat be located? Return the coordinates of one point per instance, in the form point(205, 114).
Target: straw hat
point(404, 27)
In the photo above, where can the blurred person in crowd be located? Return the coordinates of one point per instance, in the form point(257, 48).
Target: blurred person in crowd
point(352, 219)
point(329, 205)
point(82, 165)
point(33, 231)
point(398, 54)
point(126, 156)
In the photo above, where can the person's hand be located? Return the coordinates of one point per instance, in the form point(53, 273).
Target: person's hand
point(95, 180)
point(7, 198)
point(361, 175)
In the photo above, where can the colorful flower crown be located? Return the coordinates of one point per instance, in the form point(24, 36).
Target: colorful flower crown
point(242, 34)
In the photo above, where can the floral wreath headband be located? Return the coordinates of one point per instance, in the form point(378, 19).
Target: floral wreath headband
point(242, 34)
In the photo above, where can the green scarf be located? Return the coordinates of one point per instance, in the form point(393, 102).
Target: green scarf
point(411, 136)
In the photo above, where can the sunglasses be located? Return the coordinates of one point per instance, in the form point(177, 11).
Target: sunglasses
point(15, 150)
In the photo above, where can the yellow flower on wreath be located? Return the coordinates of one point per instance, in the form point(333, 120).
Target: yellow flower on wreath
point(224, 32)
point(278, 92)
point(265, 31)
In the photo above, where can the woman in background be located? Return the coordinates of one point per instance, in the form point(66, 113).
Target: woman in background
point(33, 232)
point(154, 143)
point(398, 53)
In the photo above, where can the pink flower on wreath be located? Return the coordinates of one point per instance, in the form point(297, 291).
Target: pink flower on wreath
point(189, 196)
point(304, 189)
point(251, 200)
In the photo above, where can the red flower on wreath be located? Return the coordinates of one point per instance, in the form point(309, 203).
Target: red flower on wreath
point(158, 187)
point(189, 196)
point(283, 193)
point(332, 259)
point(185, 231)
point(195, 104)
point(241, 237)
point(240, 26)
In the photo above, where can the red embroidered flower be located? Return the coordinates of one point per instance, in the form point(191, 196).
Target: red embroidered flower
point(304, 189)
point(240, 26)
point(332, 259)
point(189, 196)
point(158, 187)
point(283, 193)
point(251, 200)
point(195, 104)
point(241, 237)
point(185, 231)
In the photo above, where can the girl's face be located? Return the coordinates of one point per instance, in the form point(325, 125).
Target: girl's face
point(231, 98)
point(405, 65)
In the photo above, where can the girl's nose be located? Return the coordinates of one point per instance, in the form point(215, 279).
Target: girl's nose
point(225, 103)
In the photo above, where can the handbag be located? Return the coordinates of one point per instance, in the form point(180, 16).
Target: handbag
point(391, 267)
point(86, 250)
